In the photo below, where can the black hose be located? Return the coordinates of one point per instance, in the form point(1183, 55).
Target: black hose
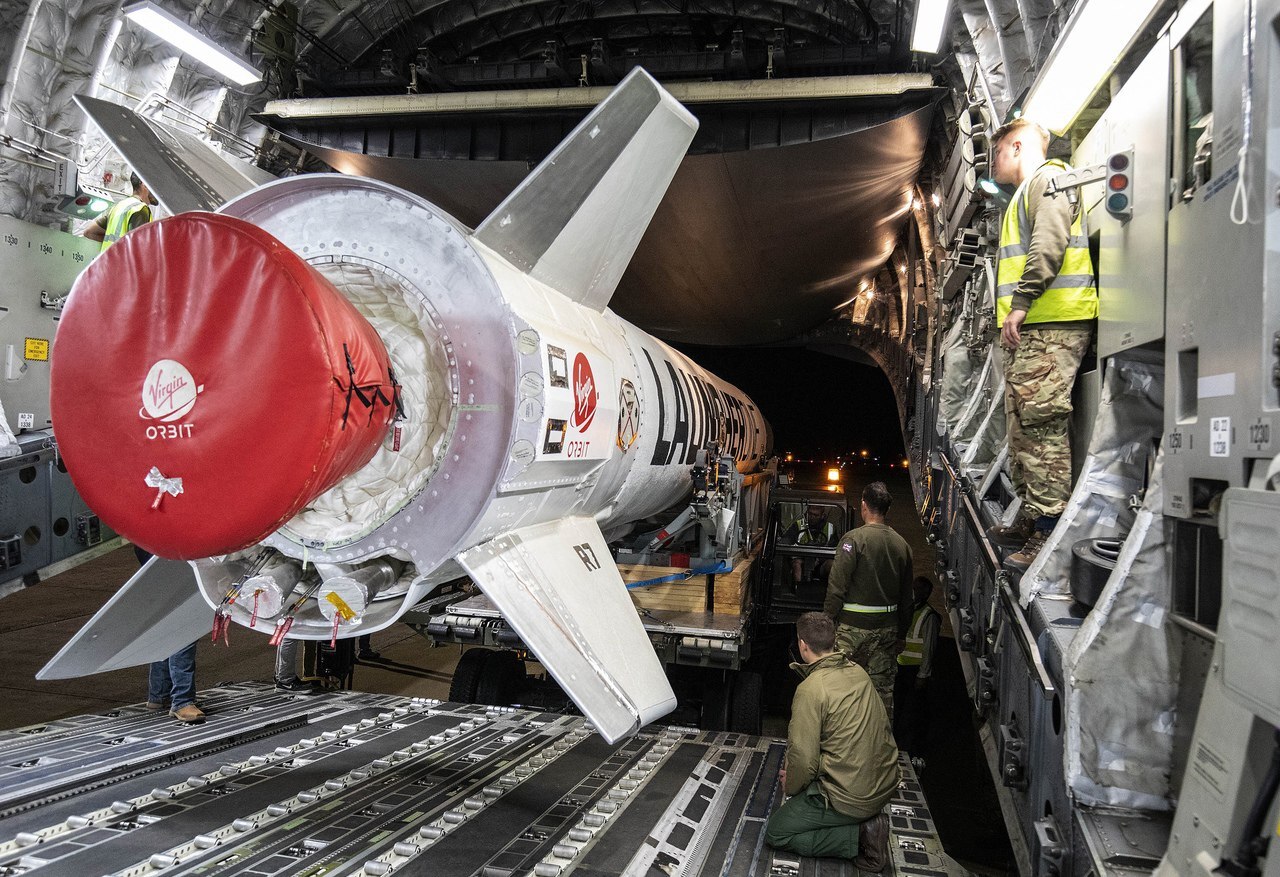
point(1254, 841)
point(1253, 826)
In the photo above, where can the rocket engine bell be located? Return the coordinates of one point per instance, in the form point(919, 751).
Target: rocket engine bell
point(335, 369)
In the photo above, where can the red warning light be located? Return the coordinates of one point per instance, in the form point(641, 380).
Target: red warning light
point(1119, 201)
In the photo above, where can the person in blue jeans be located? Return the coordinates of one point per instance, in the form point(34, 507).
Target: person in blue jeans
point(172, 681)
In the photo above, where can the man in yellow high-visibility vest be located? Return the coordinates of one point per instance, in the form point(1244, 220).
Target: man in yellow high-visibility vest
point(915, 667)
point(1046, 307)
point(124, 216)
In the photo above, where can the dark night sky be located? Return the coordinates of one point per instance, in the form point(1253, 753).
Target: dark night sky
point(818, 405)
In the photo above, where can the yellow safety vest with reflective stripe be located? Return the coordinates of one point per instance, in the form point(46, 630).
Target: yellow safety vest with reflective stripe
point(913, 654)
point(1071, 295)
point(824, 534)
point(119, 217)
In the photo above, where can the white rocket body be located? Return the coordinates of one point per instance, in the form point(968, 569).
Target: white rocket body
point(534, 418)
point(542, 408)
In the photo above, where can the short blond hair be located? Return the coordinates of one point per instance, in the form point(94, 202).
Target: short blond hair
point(1016, 126)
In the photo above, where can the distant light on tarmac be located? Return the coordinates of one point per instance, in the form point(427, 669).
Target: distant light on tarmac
point(906, 464)
point(864, 455)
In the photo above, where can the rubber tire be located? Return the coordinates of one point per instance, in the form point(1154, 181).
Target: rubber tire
point(499, 679)
point(1092, 561)
point(746, 704)
point(714, 713)
point(466, 676)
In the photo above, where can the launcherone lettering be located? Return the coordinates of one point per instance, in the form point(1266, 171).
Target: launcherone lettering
point(703, 413)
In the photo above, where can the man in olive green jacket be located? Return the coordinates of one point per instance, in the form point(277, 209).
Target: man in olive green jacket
point(869, 593)
point(842, 764)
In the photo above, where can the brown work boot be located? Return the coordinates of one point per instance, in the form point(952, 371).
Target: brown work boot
point(1022, 559)
point(1014, 535)
point(873, 845)
point(189, 714)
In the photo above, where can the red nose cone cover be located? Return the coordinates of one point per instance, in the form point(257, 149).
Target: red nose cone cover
point(201, 387)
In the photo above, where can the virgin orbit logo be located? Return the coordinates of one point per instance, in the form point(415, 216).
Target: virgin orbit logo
point(584, 394)
point(169, 392)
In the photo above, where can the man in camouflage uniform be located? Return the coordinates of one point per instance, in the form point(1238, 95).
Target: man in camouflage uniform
point(869, 593)
point(1046, 305)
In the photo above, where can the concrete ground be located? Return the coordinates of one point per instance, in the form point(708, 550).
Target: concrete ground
point(37, 621)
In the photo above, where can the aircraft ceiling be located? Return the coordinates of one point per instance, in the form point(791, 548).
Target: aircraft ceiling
point(778, 212)
point(54, 49)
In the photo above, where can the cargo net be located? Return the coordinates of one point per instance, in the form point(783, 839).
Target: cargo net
point(403, 464)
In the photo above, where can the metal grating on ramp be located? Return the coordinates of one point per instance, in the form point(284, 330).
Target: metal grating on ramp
point(365, 784)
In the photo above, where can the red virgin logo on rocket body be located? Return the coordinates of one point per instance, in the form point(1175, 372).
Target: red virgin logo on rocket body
point(584, 394)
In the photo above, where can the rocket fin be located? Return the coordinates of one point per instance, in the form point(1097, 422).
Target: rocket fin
point(156, 613)
point(557, 586)
point(181, 170)
point(575, 222)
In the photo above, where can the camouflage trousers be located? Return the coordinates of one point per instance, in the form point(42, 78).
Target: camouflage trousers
point(1038, 377)
point(872, 650)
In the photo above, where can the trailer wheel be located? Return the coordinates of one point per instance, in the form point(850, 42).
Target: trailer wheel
point(500, 678)
point(466, 676)
point(746, 703)
point(714, 715)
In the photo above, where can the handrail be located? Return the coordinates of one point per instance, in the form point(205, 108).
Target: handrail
point(1024, 637)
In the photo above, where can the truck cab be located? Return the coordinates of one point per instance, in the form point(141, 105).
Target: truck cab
point(803, 527)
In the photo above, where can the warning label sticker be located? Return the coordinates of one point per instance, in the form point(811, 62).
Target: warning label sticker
point(36, 350)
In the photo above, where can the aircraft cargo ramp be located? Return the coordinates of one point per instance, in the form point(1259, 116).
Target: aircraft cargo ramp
point(368, 784)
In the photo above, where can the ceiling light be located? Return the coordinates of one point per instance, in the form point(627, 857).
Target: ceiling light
point(931, 21)
point(1094, 41)
point(180, 34)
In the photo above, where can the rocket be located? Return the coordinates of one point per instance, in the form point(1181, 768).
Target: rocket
point(323, 399)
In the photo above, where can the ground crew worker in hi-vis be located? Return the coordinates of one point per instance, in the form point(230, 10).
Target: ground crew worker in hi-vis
point(915, 666)
point(869, 593)
point(124, 216)
point(812, 529)
point(1046, 306)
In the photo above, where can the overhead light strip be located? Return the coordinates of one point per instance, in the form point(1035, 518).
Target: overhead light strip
point(931, 21)
point(1091, 45)
point(191, 42)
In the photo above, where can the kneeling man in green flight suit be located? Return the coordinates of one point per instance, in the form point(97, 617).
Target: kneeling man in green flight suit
point(842, 764)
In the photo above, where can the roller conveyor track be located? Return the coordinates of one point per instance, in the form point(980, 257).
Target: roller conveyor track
point(377, 784)
point(88, 752)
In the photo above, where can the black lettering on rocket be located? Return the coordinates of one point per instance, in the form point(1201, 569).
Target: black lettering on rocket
point(701, 413)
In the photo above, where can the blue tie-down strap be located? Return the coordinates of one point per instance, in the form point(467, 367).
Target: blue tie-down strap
point(685, 575)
